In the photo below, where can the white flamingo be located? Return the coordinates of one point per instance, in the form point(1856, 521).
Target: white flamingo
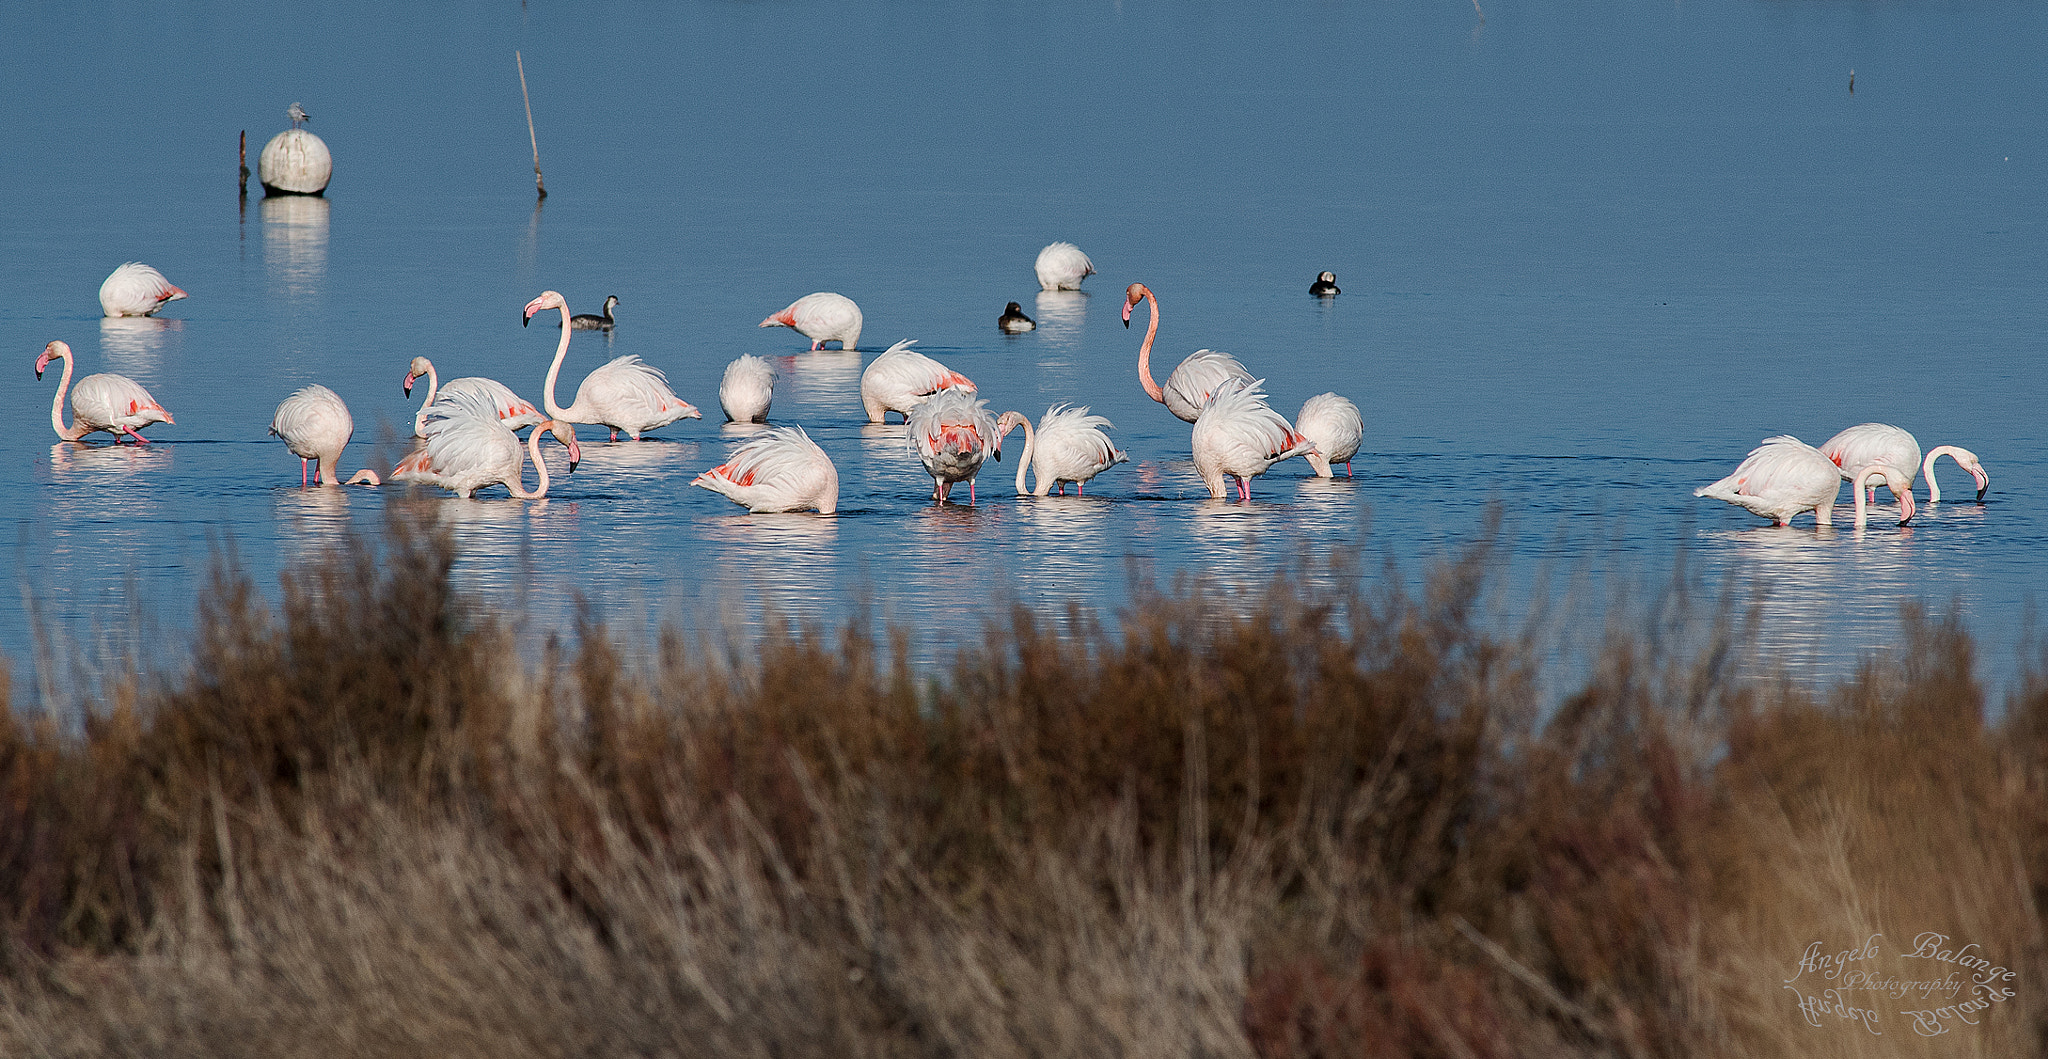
point(1239, 435)
point(316, 426)
point(781, 470)
point(1784, 477)
point(514, 411)
point(468, 449)
point(901, 378)
point(1870, 443)
point(747, 389)
point(622, 395)
point(135, 289)
point(1197, 379)
point(952, 433)
point(116, 404)
point(822, 317)
point(1068, 446)
point(1333, 423)
point(1062, 266)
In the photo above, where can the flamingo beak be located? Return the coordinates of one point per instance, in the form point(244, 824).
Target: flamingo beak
point(408, 384)
point(1127, 316)
point(526, 318)
point(1983, 482)
point(1905, 507)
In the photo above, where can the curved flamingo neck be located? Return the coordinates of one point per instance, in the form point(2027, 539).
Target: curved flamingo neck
point(1024, 458)
point(1877, 470)
point(547, 397)
point(433, 387)
point(517, 486)
point(1927, 468)
point(1152, 389)
point(68, 433)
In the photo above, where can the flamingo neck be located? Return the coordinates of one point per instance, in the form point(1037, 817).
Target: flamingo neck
point(517, 486)
point(555, 409)
point(68, 433)
point(330, 469)
point(1927, 469)
point(1024, 458)
point(1152, 389)
point(365, 476)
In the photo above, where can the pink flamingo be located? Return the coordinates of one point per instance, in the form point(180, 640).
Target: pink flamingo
point(1333, 423)
point(781, 470)
point(1197, 378)
point(315, 425)
point(116, 404)
point(901, 378)
point(1062, 266)
point(468, 449)
point(952, 433)
point(1239, 435)
point(1068, 446)
point(1882, 443)
point(622, 395)
point(747, 389)
point(822, 317)
point(135, 289)
point(1785, 476)
point(514, 411)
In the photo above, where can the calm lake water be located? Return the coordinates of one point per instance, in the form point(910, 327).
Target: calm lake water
point(1591, 253)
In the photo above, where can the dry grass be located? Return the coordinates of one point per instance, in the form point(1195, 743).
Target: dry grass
point(1320, 823)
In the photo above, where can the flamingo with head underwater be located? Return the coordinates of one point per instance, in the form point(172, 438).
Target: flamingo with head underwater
point(1784, 477)
point(468, 449)
point(1195, 380)
point(1068, 446)
point(781, 470)
point(952, 433)
point(1241, 436)
point(116, 404)
point(1870, 443)
point(316, 426)
point(625, 394)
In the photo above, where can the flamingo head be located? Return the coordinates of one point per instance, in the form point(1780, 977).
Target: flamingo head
point(1893, 480)
point(417, 368)
point(1969, 462)
point(1133, 294)
point(566, 434)
point(59, 348)
point(785, 318)
point(548, 300)
point(1005, 423)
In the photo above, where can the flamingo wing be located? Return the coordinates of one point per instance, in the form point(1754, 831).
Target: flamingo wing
point(516, 412)
point(135, 289)
point(1199, 378)
point(1868, 443)
point(1334, 424)
point(782, 470)
point(115, 402)
point(314, 422)
point(633, 396)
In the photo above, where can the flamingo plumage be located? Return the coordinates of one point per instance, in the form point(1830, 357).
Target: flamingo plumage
point(1784, 477)
point(135, 289)
point(1239, 435)
point(116, 404)
point(514, 411)
point(315, 425)
point(468, 449)
point(822, 317)
point(1337, 429)
point(901, 378)
point(952, 433)
point(780, 470)
point(625, 394)
point(747, 389)
point(1870, 443)
point(1062, 266)
point(1195, 380)
point(1068, 446)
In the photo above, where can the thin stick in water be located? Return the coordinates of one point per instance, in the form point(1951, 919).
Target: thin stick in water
point(245, 163)
point(537, 182)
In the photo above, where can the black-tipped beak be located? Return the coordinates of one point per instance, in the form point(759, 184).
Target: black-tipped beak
point(1127, 322)
point(1980, 492)
point(525, 318)
point(999, 455)
point(572, 466)
point(39, 378)
point(408, 387)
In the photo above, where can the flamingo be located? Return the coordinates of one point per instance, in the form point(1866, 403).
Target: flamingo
point(1333, 423)
point(622, 395)
point(514, 411)
point(952, 433)
point(116, 404)
point(594, 321)
point(1325, 285)
point(822, 317)
point(1785, 476)
point(901, 377)
point(1013, 321)
point(1239, 435)
point(1062, 266)
point(315, 425)
point(1883, 443)
point(1196, 379)
point(135, 289)
point(746, 390)
point(1068, 446)
point(781, 470)
point(468, 449)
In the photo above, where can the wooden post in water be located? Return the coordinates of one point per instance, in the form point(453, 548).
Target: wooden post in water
point(245, 163)
point(528, 100)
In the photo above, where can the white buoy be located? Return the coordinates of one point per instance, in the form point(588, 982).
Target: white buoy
point(295, 162)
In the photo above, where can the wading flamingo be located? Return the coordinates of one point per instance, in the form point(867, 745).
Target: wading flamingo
point(135, 289)
point(901, 378)
point(622, 395)
point(1062, 266)
point(116, 404)
point(746, 390)
point(822, 317)
point(1785, 476)
point(1239, 435)
point(1196, 379)
point(468, 449)
point(1068, 446)
point(1325, 285)
point(781, 470)
point(1014, 322)
point(1333, 423)
point(315, 425)
point(952, 433)
point(1882, 443)
point(596, 321)
point(514, 411)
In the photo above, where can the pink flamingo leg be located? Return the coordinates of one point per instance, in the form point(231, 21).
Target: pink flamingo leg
point(615, 435)
point(140, 440)
point(1347, 468)
point(302, 471)
point(970, 491)
point(1080, 488)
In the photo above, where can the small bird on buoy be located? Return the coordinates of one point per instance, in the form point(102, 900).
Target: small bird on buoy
point(1013, 320)
point(295, 162)
point(1325, 285)
point(594, 322)
point(298, 115)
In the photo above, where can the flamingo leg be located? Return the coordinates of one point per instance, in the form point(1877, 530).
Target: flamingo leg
point(970, 491)
point(139, 439)
point(302, 471)
point(615, 435)
point(1080, 488)
point(1347, 468)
